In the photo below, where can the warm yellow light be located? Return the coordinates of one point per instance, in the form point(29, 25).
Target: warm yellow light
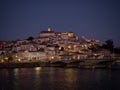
point(52, 57)
point(2, 60)
point(49, 29)
point(38, 68)
point(6, 58)
point(70, 34)
point(78, 57)
point(69, 47)
point(82, 46)
point(19, 60)
point(59, 48)
point(95, 54)
point(85, 45)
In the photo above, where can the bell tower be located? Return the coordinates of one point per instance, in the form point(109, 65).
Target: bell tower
point(49, 29)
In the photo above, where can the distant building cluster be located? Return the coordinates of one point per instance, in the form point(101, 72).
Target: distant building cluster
point(50, 45)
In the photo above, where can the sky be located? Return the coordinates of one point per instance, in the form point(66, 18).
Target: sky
point(94, 19)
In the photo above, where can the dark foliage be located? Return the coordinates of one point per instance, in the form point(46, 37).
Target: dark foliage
point(30, 38)
point(109, 44)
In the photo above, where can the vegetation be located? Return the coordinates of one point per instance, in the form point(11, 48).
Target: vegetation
point(117, 50)
point(30, 38)
point(109, 44)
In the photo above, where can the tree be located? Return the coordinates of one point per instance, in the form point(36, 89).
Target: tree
point(30, 38)
point(117, 50)
point(109, 44)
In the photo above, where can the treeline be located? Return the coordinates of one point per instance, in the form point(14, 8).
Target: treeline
point(109, 45)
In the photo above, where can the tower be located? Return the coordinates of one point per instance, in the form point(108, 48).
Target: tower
point(49, 29)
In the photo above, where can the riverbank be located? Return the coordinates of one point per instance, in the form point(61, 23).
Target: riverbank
point(70, 63)
point(31, 64)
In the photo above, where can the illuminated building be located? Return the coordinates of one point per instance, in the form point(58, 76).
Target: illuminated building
point(47, 33)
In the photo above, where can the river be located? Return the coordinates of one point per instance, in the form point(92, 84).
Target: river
point(51, 78)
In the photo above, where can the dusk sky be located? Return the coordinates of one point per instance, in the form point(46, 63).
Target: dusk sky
point(94, 19)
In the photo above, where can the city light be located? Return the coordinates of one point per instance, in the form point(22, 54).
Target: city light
point(52, 57)
point(69, 47)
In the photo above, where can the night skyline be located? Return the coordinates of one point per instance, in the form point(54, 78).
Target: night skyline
point(98, 19)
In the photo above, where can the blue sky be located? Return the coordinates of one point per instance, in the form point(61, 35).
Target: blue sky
point(98, 19)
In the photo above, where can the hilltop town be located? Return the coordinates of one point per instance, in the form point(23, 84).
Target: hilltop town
point(50, 45)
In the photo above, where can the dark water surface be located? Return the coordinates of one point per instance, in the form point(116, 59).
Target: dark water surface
point(50, 78)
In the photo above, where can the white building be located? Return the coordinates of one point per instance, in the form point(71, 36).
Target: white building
point(26, 56)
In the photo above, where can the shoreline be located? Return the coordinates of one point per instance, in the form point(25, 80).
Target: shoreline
point(64, 64)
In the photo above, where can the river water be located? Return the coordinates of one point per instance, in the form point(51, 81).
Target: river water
point(51, 78)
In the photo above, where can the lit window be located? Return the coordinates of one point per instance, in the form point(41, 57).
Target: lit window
point(75, 46)
point(70, 34)
point(69, 47)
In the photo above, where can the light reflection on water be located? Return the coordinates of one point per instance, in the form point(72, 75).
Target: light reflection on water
point(49, 78)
